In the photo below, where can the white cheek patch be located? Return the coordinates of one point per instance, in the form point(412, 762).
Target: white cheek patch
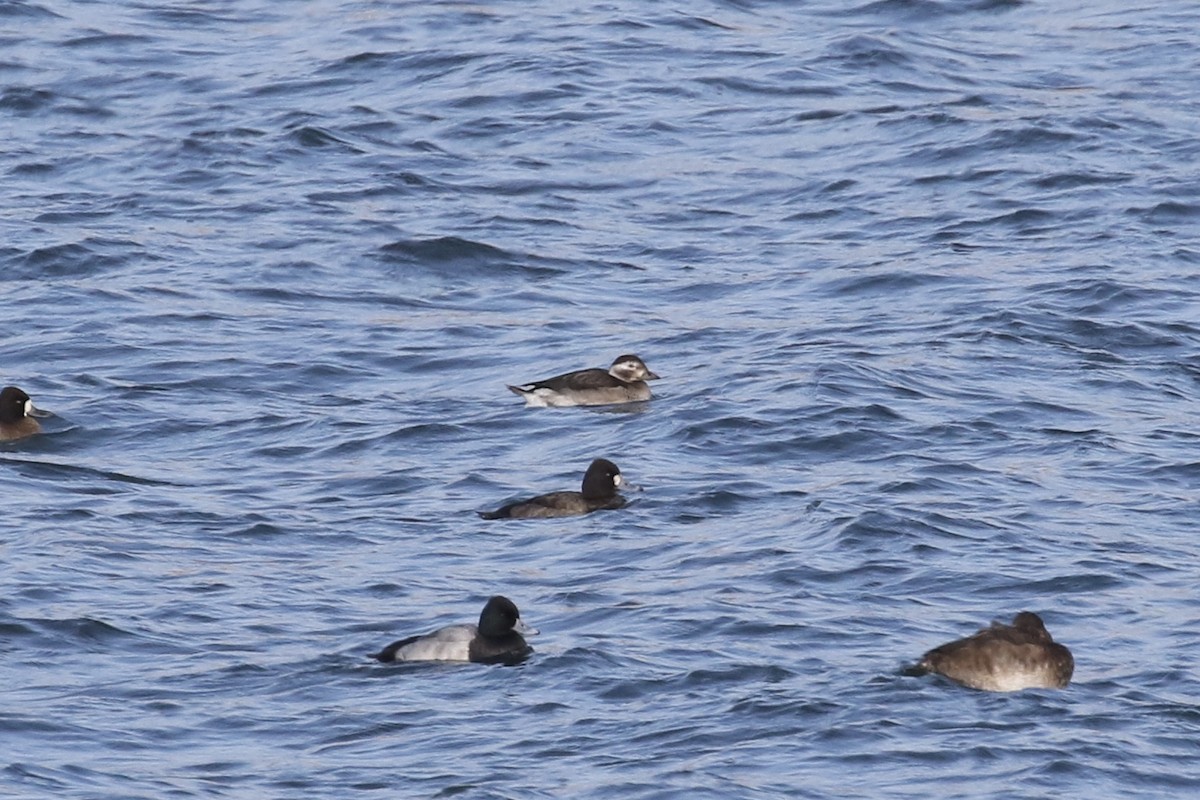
point(28, 408)
point(616, 480)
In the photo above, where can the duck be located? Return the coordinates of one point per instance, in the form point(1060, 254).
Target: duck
point(17, 415)
point(623, 382)
point(600, 487)
point(1004, 658)
point(497, 639)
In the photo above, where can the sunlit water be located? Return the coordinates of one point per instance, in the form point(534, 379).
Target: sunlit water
point(921, 279)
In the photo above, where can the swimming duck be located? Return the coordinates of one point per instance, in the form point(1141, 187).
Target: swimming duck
point(496, 639)
point(1004, 658)
point(17, 415)
point(623, 382)
point(600, 485)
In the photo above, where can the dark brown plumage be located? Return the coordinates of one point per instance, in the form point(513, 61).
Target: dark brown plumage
point(600, 485)
point(1004, 658)
point(15, 420)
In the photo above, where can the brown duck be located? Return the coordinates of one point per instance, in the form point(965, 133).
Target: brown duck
point(1004, 658)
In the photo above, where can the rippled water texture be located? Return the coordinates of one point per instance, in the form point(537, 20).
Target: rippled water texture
point(921, 279)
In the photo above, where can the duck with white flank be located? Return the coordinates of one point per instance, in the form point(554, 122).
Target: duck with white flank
point(497, 639)
point(623, 382)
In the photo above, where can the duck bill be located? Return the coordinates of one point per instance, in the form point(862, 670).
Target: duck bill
point(651, 376)
point(33, 411)
point(524, 629)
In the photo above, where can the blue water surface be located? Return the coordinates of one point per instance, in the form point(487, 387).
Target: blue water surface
point(922, 279)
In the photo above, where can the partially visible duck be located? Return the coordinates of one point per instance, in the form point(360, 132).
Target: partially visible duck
point(600, 490)
point(496, 639)
point(1004, 658)
point(17, 415)
point(623, 382)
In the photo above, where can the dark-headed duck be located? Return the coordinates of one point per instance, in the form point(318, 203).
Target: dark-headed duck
point(600, 490)
point(496, 639)
point(17, 415)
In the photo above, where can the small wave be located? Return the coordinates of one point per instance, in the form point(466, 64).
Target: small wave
point(1168, 211)
point(107, 39)
point(90, 256)
point(453, 256)
point(82, 629)
point(861, 51)
point(45, 469)
point(18, 8)
point(312, 136)
point(913, 10)
point(26, 99)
